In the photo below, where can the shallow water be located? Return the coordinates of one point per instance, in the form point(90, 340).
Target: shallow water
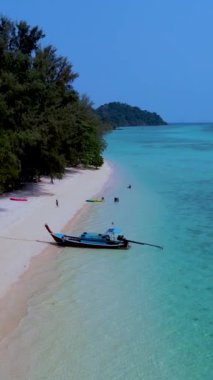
point(141, 313)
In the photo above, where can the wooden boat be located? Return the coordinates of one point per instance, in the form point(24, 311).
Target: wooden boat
point(110, 240)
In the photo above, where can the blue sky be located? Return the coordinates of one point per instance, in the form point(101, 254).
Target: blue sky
point(154, 54)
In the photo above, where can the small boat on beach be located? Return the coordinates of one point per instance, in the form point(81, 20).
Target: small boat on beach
point(111, 239)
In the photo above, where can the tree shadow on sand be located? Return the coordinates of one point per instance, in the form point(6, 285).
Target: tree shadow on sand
point(37, 189)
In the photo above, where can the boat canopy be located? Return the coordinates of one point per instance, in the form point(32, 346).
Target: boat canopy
point(114, 231)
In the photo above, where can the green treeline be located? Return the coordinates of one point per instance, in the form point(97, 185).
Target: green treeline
point(120, 114)
point(44, 124)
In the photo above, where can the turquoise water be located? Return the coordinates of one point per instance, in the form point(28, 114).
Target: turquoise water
point(142, 313)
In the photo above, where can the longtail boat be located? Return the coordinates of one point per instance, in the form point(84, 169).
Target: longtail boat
point(111, 239)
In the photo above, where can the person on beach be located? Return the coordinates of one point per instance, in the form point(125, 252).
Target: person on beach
point(56, 202)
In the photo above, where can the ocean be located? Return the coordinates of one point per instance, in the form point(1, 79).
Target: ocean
point(141, 313)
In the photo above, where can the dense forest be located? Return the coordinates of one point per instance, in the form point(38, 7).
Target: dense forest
point(120, 114)
point(44, 124)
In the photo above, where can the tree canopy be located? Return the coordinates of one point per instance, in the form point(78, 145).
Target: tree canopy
point(121, 114)
point(44, 123)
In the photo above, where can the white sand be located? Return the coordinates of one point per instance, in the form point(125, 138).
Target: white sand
point(22, 223)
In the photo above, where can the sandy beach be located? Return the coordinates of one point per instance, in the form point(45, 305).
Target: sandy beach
point(22, 232)
point(26, 245)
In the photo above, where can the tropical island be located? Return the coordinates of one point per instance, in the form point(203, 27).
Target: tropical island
point(45, 124)
point(118, 114)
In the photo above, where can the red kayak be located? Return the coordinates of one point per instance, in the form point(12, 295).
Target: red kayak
point(18, 199)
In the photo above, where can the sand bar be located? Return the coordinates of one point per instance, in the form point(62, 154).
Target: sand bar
point(22, 232)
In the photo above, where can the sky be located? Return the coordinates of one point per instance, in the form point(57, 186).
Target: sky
point(153, 54)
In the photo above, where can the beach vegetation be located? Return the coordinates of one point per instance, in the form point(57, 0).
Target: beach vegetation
point(44, 123)
point(10, 165)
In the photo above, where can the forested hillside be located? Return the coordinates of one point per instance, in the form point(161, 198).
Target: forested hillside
point(120, 114)
point(44, 124)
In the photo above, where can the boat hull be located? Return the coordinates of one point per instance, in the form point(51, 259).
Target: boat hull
point(68, 242)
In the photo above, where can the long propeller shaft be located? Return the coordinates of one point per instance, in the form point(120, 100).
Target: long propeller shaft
point(142, 243)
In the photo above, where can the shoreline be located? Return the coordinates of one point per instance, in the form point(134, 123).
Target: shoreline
point(24, 239)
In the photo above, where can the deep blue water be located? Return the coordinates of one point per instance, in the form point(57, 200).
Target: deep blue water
point(142, 313)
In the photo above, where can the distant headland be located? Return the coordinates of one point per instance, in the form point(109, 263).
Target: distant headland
point(118, 114)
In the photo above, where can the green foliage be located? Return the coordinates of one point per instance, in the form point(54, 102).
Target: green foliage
point(44, 125)
point(120, 114)
point(9, 164)
point(87, 144)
